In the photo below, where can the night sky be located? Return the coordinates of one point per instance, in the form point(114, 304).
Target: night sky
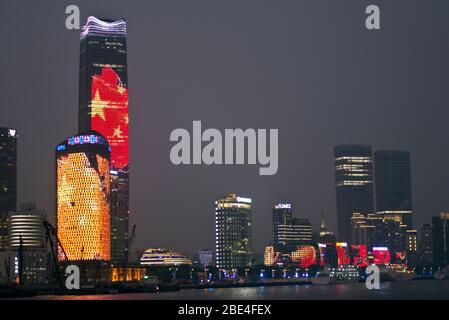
point(308, 68)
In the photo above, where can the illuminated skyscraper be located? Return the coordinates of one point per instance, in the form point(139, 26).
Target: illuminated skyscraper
point(82, 199)
point(392, 172)
point(282, 215)
point(354, 185)
point(8, 180)
point(27, 228)
point(27, 241)
point(233, 232)
point(103, 107)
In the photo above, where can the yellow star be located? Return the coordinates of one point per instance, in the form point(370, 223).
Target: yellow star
point(120, 89)
point(97, 106)
point(126, 119)
point(117, 132)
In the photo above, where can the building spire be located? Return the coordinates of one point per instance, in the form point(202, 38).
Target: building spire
point(323, 222)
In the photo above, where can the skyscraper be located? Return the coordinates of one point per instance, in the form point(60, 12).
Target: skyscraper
point(440, 232)
point(82, 197)
point(103, 107)
point(392, 172)
point(8, 180)
point(26, 227)
point(354, 185)
point(27, 240)
point(289, 230)
point(426, 245)
point(233, 232)
point(282, 215)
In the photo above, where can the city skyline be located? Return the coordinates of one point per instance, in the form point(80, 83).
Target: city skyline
point(310, 191)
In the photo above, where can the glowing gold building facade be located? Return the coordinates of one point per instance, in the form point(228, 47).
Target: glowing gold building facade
point(83, 205)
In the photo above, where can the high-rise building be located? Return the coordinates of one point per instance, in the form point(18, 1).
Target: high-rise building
point(412, 240)
point(426, 245)
point(374, 230)
point(411, 246)
point(27, 241)
point(233, 234)
point(298, 231)
point(8, 180)
point(103, 107)
point(440, 233)
point(26, 227)
point(289, 230)
point(282, 215)
point(354, 185)
point(82, 197)
point(392, 176)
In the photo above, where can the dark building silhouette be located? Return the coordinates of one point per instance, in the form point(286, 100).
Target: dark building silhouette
point(440, 233)
point(426, 245)
point(103, 107)
point(392, 173)
point(354, 185)
point(324, 235)
point(8, 180)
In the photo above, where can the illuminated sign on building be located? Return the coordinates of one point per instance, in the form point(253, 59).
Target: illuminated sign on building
point(381, 255)
point(283, 206)
point(359, 255)
point(306, 256)
point(342, 253)
point(244, 200)
point(110, 114)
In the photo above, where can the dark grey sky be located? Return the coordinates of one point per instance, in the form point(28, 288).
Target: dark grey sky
point(309, 68)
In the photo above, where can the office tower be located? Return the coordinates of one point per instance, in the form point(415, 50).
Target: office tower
point(354, 185)
point(426, 245)
point(282, 215)
point(26, 228)
point(411, 246)
point(82, 197)
point(8, 180)
point(27, 241)
point(233, 232)
point(374, 230)
point(103, 107)
point(289, 230)
point(298, 231)
point(440, 232)
point(412, 240)
point(392, 177)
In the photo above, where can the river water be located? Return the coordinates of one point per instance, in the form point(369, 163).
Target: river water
point(418, 289)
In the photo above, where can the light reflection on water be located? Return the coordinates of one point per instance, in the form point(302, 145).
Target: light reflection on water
point(422, 289)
